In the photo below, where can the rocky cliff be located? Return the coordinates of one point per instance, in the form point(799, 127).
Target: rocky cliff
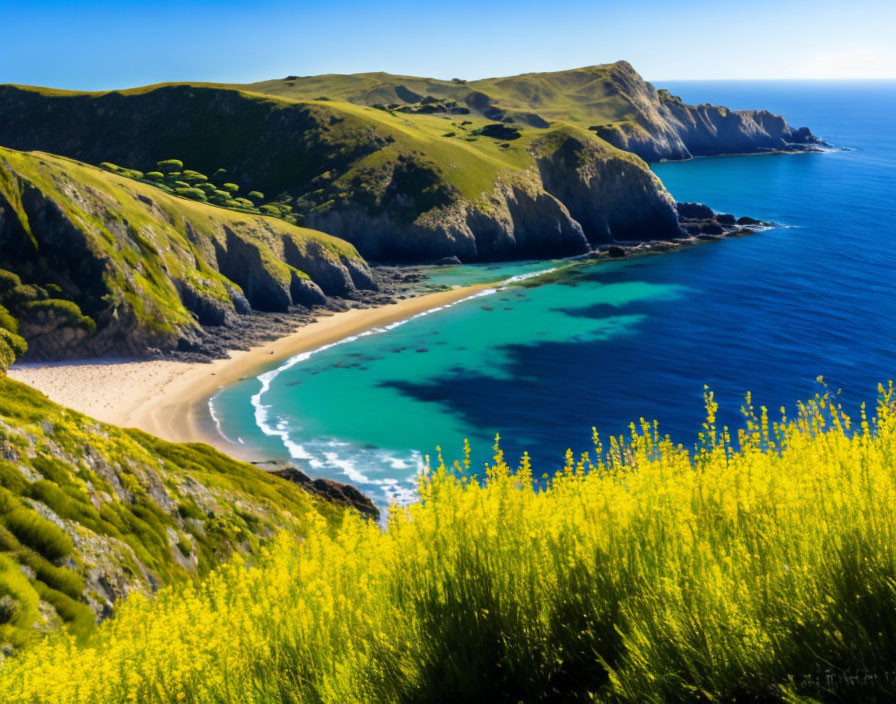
point(610, 99)
point(413, 169)
point(98, 264)
point(400, 186)
point(662, 126)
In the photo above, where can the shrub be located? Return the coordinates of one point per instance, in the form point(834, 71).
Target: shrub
point(67, 312)
point(193, 176)
point(35, 531)
point(185, 547)
point(23, 293)
point(7, 322)
point(220, 173)
point(9, 609)
point(255, 195)
point(244, 202)
point(191, 193)
point(270, 210)
point(154, 176)
point(14, 343)
point(76, 614)
point(19, 602)
point(8, 281)
point(182, 184)
point(7, 356)
point(55, 470)
point(231, 187)
point(169, 165)
point(58, 578)
point(12, 478)
point(121, 171)
point(206, 187)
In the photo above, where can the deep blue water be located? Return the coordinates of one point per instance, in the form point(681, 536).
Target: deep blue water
point(610, 343)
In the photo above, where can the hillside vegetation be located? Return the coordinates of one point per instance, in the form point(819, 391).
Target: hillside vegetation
point(399, 185)
point(412, 168)
point(90, 513)
point(755, 569)
point(95, 263)
point(612, 100)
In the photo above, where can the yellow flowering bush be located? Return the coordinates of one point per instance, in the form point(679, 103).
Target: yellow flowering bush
point(755, 568)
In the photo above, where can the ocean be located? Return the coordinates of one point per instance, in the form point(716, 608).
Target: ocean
point(542, 361)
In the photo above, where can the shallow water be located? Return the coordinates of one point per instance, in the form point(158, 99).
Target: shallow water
point(605, 344)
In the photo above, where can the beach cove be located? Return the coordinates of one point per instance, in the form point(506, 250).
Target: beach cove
point(168, 398)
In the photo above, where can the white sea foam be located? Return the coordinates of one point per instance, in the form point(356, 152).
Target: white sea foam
point(261, 410)
point(217, 421)
point(333, 455)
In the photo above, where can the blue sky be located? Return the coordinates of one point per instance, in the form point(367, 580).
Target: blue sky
point(99, 45)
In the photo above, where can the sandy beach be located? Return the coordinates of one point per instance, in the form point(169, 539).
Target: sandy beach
point(166, 398)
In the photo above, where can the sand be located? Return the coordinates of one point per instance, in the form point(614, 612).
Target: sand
point(169, 399)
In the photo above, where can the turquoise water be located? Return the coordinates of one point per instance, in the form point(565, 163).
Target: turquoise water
point(607, 343)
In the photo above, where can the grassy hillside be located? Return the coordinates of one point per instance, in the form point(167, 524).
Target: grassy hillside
point(760, 569)
point(97, 263)
point(584, 96)
point(90, 513)
point(611, 100)
point(399, 185)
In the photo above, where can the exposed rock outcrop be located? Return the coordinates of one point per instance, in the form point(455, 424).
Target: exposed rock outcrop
point(663, 126)
point(396, 192)
point(611, 196)
point(519, 220)
point(336, 492)
point(699, 220)
point(136, 269)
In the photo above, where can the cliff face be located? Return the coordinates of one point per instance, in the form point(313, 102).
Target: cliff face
point(399, 186)
point(525, 166)
point(662, 126)
point(612, 100)
point(578, 192)
point(612, 197)
point(100, 264)
point(518, 220)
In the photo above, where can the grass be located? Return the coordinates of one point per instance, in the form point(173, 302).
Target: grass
point(81, 499)
point(132, 248)
point(321, 155)
point(755, 568)
point(584, 96)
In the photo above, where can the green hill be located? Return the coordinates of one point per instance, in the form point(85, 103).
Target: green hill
point(412, 168)
point(411, 186)
point(95, 263)
point(90, 513)
point(612, 100)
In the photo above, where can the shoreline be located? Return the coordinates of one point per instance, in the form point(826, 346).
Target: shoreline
point(166, 397)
